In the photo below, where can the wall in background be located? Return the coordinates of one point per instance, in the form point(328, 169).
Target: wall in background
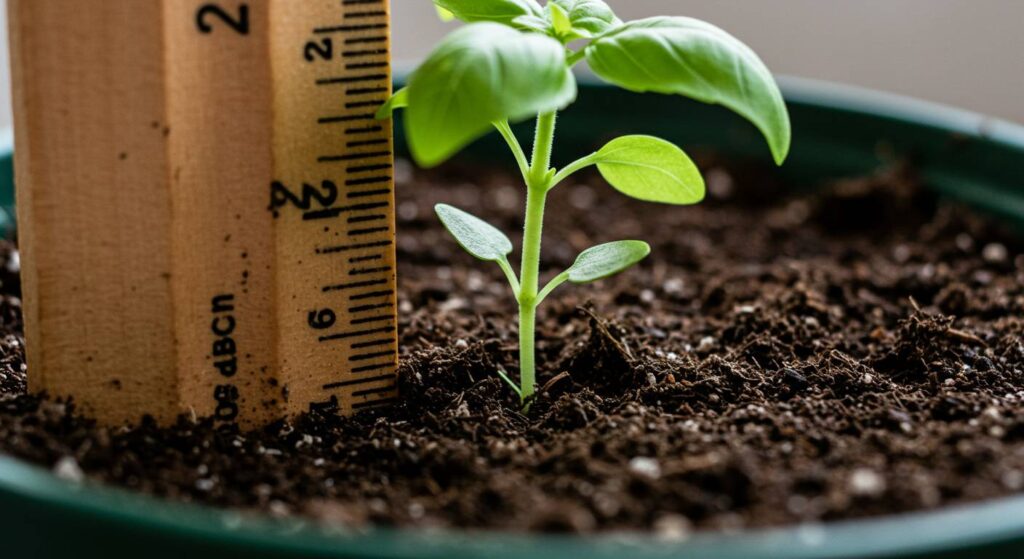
point(968, 53)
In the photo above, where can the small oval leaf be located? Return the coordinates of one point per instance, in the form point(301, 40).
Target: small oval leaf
point(560, 23)
point(685, 56)
point(399, 100)
point(475, 235)
point(480, 74)
point(607, 260)
point(650, 169)
point(499, 11)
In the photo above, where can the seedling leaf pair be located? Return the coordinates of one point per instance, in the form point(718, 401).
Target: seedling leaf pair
point(488, 243)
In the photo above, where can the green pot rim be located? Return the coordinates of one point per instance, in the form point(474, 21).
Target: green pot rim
point(995, 527)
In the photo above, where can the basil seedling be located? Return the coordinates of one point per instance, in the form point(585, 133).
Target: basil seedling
point(513, 61)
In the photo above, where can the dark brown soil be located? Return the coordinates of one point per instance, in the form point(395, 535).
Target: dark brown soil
point(778, 359)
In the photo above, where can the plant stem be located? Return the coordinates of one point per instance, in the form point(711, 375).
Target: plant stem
point(535, 198)
point(544, 139)
point(581, 163)
point(536, 194)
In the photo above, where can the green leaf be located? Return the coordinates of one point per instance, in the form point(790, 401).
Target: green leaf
point(531, 23)
point(475, 235)
point(593, 17)
point(500, 11)
point(559, 20)
point(480, 74)
point(651, 169)
point(607, 260)
point(444, 14)
point(399, 100)
point(677, 55)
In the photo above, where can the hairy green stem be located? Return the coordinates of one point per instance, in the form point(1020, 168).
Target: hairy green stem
point(542, 143)
point(537, 183)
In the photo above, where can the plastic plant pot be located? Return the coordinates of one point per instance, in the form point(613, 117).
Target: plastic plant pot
point(838, 132)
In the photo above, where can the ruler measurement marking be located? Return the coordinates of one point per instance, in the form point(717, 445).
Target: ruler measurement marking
point(367, 308)
point(376, 367)
point(361, 104)
point(368, 193)
point(358, 381)
point(374, 391)
point(357, 334)
point(368, 180)
point(354, 285)
point(364, 15)
point(368, 356)
point(344, 248)
point(368, 231)
point(368, 258)
point(372, 295)
point(368, 168)
point(365, 90)
point(335, 212)
point(347, 118)
point(374, 343)
point(354, 156)
point(349, 28)
point(367, 218)
point(361, 40)
point(365, 65)
point(364, 130)
point(367, 271)
point(363, 143)
point(375, 403)
point(370, 320)
point(351, 79)
point(365, 52)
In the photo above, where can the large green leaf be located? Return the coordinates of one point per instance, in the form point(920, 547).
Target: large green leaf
point(678, 55)
point(500, 11)
point(478, 237)
point(593, 17)
point(607, 260)
point(651, 169)
point(480, 74)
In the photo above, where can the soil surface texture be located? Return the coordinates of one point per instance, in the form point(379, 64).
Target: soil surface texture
point(779, 358)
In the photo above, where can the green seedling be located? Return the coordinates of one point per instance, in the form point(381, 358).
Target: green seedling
point(514, 61)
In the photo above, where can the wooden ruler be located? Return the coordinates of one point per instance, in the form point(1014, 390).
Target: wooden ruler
point(206, 205)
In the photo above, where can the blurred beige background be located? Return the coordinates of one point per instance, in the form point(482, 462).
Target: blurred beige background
point(968, 53)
